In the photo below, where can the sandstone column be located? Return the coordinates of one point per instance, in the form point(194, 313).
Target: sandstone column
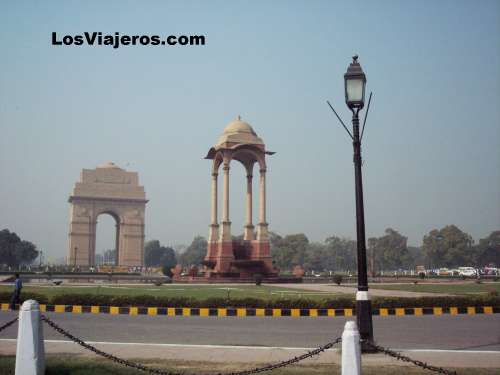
point(262, 226)
point(225, 234)
point(225, 245)
point(248, 236)
point(214, 225)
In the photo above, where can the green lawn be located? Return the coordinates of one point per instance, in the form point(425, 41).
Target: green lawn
point(74, 365)
point(462, 288)
point(177, 290)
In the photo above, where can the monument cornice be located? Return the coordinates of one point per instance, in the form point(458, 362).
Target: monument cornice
point(101, 199)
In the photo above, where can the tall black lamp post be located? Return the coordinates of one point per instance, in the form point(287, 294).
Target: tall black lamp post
point(355, 82)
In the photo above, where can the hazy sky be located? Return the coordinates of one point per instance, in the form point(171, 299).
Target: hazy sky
point(431, 147)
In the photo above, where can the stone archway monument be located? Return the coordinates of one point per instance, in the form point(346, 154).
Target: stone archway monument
point(108, 189)
point(225, 256)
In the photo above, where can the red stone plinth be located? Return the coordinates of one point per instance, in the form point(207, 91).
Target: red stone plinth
point(241, 259)
point(224, 257)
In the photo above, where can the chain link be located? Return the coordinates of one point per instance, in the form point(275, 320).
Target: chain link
point(398, 356)
point(288, 362)
point(8, 324)
point(161, 372)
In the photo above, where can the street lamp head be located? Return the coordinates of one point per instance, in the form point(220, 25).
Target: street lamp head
point(355, 82)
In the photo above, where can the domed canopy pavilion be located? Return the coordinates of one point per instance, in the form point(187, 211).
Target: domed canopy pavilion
point(225, 257)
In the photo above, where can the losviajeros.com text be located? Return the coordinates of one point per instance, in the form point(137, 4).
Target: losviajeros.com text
point(117, 40)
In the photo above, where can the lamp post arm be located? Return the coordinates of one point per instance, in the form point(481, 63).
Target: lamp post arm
point(342, 122)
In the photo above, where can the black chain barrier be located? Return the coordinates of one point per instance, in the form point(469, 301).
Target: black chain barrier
point(398, 356)
point(8, 324)
point(161, 372)
point(377, 348)
point(290, 361)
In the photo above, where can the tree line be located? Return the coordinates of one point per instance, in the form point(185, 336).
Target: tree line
point(446, 247)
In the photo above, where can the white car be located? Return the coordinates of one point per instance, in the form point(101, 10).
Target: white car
point(467, 271)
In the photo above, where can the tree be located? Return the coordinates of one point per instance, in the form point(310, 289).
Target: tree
point(8, 242)
point(195, 253)
point(167, 271)
point(488, 250)
point(26, 252)
point(14, 251)
point(342, 251)
point(448, 247)
point(290, 250)
point(389, 252)
point(295, 249)
point(417, 257)
point(237, 238)
point(274, 239)
point(156, 255)
point(318, 257)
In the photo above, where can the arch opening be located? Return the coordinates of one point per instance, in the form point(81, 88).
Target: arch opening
point(107, 247)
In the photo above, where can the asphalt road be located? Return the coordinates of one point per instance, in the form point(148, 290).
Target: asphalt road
point(462, 332)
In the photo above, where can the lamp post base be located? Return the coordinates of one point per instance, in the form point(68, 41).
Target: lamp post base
point(364, 320)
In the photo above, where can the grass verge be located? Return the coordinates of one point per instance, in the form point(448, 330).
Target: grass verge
point(263, 292)
point(86, 366)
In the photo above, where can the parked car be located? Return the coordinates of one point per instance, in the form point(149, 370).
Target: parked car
point(491, 271)
point(467, 271)
point(443, 272)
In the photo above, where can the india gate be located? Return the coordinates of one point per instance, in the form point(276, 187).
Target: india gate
point(238, 258)
point(111, 190)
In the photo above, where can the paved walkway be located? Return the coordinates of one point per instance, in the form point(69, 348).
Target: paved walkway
point(352, 290)
point(252, 354)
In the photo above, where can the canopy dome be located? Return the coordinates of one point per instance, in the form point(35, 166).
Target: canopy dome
point(240, 132)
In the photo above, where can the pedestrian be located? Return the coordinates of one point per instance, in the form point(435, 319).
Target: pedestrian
point(18, 285)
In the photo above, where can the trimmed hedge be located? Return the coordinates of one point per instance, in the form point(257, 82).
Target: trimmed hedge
point(302, 303)
point(448, 301)
point(6, 296)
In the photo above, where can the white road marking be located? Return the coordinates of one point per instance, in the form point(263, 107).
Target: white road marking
point(447, 351)
point(253, 347)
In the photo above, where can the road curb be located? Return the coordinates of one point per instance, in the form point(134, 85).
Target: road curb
point(262, 312)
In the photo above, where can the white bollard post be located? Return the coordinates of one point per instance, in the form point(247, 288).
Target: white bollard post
point(30, 354)
point(351, 350)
